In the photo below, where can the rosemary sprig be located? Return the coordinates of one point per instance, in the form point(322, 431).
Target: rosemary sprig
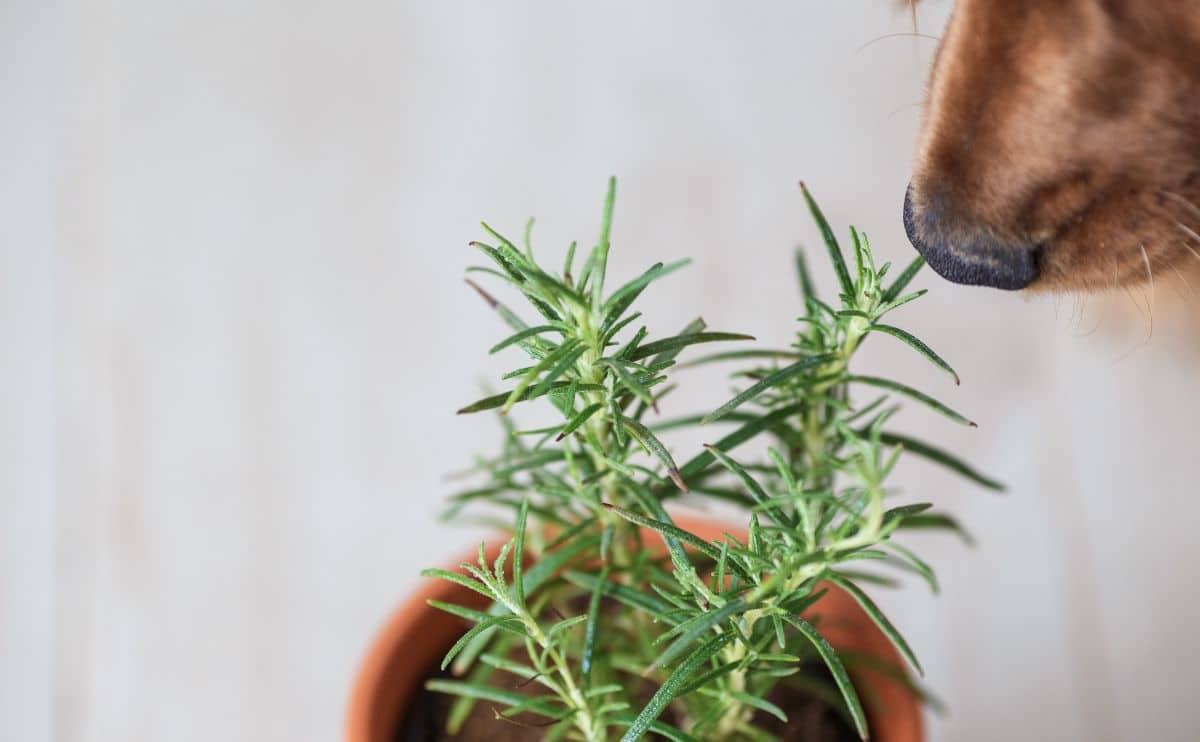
point(713, 627)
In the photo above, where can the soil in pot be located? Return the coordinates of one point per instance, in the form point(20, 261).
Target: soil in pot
point(811, 718)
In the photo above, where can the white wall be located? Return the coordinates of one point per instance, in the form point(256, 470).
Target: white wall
point(231, 244)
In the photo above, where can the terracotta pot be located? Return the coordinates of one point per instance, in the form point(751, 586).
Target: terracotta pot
point(412, 642)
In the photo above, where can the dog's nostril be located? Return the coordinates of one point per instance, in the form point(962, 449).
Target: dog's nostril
point(970, 257)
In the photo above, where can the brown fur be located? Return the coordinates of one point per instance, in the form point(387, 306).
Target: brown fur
point(1071, 126)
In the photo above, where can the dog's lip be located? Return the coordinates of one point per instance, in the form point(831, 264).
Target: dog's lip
point(986, 264)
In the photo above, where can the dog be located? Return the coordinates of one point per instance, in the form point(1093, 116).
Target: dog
point(1060, 145)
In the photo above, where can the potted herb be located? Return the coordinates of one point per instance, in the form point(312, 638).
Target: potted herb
point(603, 616)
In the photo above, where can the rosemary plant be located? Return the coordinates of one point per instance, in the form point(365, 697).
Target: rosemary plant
point(606, 632)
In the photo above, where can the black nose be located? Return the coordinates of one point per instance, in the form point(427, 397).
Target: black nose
point(968, 256)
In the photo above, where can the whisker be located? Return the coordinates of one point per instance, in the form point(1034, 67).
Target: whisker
point(1114, 281)
point(1150, 306)
point(1133, 300)
point(1089, 333)
point(1079, 317)
point(1149, 273)
point(1185, 282)
point(1144, 341)
point(1083, 314)
point(1150, 282)
point(1183, 202)
point(913, 34)
point(1190, 233)
point(1095, 327)
point(904, 107)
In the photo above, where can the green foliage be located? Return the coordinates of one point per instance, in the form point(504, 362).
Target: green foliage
point(608, 639)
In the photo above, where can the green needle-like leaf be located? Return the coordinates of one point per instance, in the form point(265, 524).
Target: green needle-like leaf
point(569, 262)
point(651, 604)
point(632, 345)
point(903, 280)
point(666, 692)
point(752, 486)
point(911, 393)
point(565, 625)
point(803, 277)
point(552, 563)
point(897, 303)
point(878, 618)
point(497, 400)
point(510, 318)
point(523, 335)
point(837, 669)
point(918, 346)
point(682, 341)
point(519, 553)
point(592, 630)
point(599, 258)
point(693, 327)
point(939, 456)
point(859, 262)
point(464, 581)
point(693, 629)
point(506, 262)
point(831, 243)
point(894, 517)
point(563, 351)
point(542, 706)
point(477, 629)
point(579, 419)
point(654, 446)
point(612, 331)
point(938, 521)
point(506, 244)
point(507, 665)
point(761, 704)
point(632, 384)
point(564, 365)
point(620, 300)
point(749, 430)
point(917, 564)
point(528, 239)
point(461, 611)
point(740, 355)
point(658, 727)
point(775, 379)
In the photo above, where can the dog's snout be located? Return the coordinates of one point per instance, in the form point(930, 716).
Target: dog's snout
point(965, 255)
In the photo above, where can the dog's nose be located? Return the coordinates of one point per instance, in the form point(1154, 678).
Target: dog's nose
point(972, 257)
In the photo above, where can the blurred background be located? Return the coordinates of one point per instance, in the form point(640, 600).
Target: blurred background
point(232, 236)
